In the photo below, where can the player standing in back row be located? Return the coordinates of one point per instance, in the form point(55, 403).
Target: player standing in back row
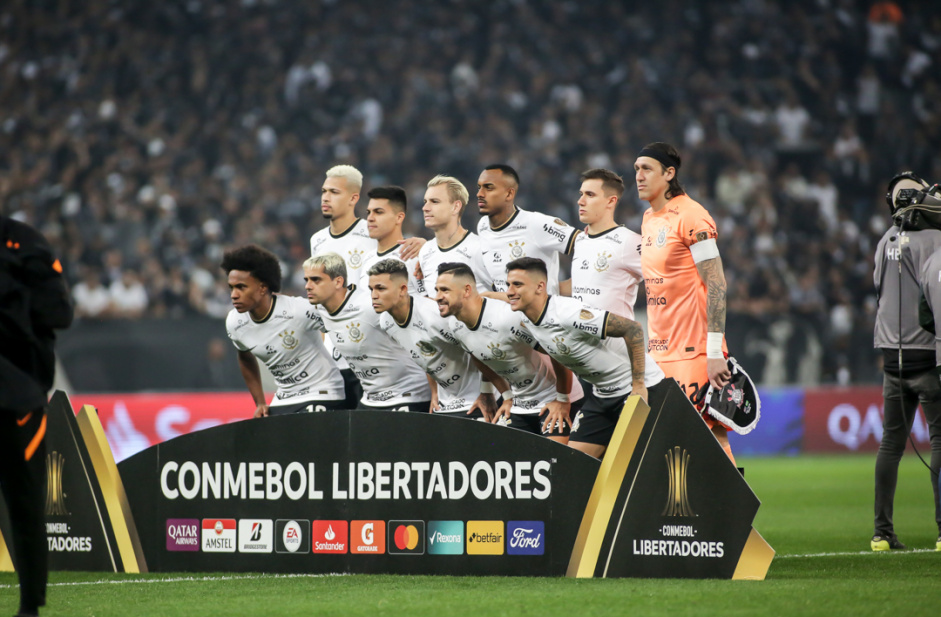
point(508, 232)
point(684, 280)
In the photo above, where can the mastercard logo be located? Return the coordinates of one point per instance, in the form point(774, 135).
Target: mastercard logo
point(406, 537)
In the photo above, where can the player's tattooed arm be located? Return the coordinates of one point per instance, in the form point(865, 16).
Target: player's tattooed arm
point(713, 275)
point(633, 335)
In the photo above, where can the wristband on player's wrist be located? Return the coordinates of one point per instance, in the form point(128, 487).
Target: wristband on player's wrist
point(507, 395)
point(562, 397)
point(714, 345)
point(487, 388)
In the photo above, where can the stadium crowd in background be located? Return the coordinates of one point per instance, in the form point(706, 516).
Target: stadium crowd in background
point(142, 139)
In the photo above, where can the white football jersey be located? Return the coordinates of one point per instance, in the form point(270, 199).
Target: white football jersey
point(385, 370)
point(499, 340)
point(526, 234)
point(290, 345)
point(393, 253)
point(606, 270)
point(354, 245)
point(467, 251)
point(426, 336)
point(574, 334)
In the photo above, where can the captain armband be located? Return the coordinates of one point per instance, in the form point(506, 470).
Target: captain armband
point(704, 250)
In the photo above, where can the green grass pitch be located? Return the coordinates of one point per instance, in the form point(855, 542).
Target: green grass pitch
point(816, 512)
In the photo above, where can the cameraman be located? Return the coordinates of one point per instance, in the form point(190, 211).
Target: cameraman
point(34, 302)
point(930, 315)
point(908, 358)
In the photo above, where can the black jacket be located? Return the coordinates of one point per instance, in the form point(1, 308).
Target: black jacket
point(34, 302)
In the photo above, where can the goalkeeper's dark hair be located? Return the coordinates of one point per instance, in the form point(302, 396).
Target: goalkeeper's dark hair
point(261, 263)
point(668, 157)
point(393, 267)
point(457, 269)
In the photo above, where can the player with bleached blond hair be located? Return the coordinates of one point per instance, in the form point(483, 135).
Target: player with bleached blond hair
point(445, 200)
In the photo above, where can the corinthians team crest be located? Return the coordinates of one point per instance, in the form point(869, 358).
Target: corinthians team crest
point(288, 340)
point(602, 262)
point(662, 237)
point(356, 258)
point(560, 344)
point(356, 335)
point(496, 352)
point(426, 349)
point(516, 249)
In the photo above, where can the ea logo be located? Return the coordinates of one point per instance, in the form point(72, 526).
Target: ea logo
point(367, 533)
point(292, 536)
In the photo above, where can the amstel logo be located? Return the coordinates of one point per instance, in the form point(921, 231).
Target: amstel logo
point(677, 495)
point(55, 494)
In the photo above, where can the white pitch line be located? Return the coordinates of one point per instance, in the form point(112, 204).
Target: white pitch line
point(850, 554)
point(183, 579)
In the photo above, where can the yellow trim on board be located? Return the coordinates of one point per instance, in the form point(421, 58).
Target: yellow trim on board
point(6, 560)
point(112, 489)
point(755, 559)
point(607, 486)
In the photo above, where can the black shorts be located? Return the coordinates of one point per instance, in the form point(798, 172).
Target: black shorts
point(596, 420)
point(352, 387)
point(420, 407)
point(307, 407)
point(532, 423)
point(477, 415)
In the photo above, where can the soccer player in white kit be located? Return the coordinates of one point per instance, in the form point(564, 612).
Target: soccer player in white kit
point(385, 214)
point(490, 330)
point(508, 232)
point(445, 200)
point(585, 340)
point(606, 269)
point(415, 323)
point(390, 380)
point(281, 331)
point(348, 236)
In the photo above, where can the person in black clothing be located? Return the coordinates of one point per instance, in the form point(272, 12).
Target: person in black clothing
point(34, 302)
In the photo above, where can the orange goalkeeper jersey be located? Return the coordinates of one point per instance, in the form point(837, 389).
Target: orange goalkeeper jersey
point(676, 295)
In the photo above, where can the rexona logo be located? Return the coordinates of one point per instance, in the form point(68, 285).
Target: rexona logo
point(484, 537)
point(526, 538)
point(406, 537)
point(330, 536)
point(256, 536)
point(367, 537)
point(445, 537)
point(219, 535)
point(291, 536)
point(182, 534)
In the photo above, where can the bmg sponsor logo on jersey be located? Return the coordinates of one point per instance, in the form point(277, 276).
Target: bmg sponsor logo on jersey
point(406, 537)
point(526, 538)
point(367, 537)
point(256, 536)
point(218, 535)
point(331, 537)
point(292, 536)
point(445, 537)
point(182, 534)
point(485, 537)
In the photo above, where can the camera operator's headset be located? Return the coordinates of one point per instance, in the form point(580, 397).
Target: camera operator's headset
point(915, 205)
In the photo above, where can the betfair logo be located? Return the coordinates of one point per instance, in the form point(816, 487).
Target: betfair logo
point(55, 493)
point(677, 495)
point(485, 537)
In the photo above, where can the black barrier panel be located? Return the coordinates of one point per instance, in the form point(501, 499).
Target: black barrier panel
point(359, 492)
point(78, 528)
point(683, 510)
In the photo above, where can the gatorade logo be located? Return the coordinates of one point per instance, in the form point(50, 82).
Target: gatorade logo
point(406, 537)
point(367, 537)
point(485, 537)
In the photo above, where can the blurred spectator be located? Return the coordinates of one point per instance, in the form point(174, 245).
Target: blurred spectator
point(128, 296)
